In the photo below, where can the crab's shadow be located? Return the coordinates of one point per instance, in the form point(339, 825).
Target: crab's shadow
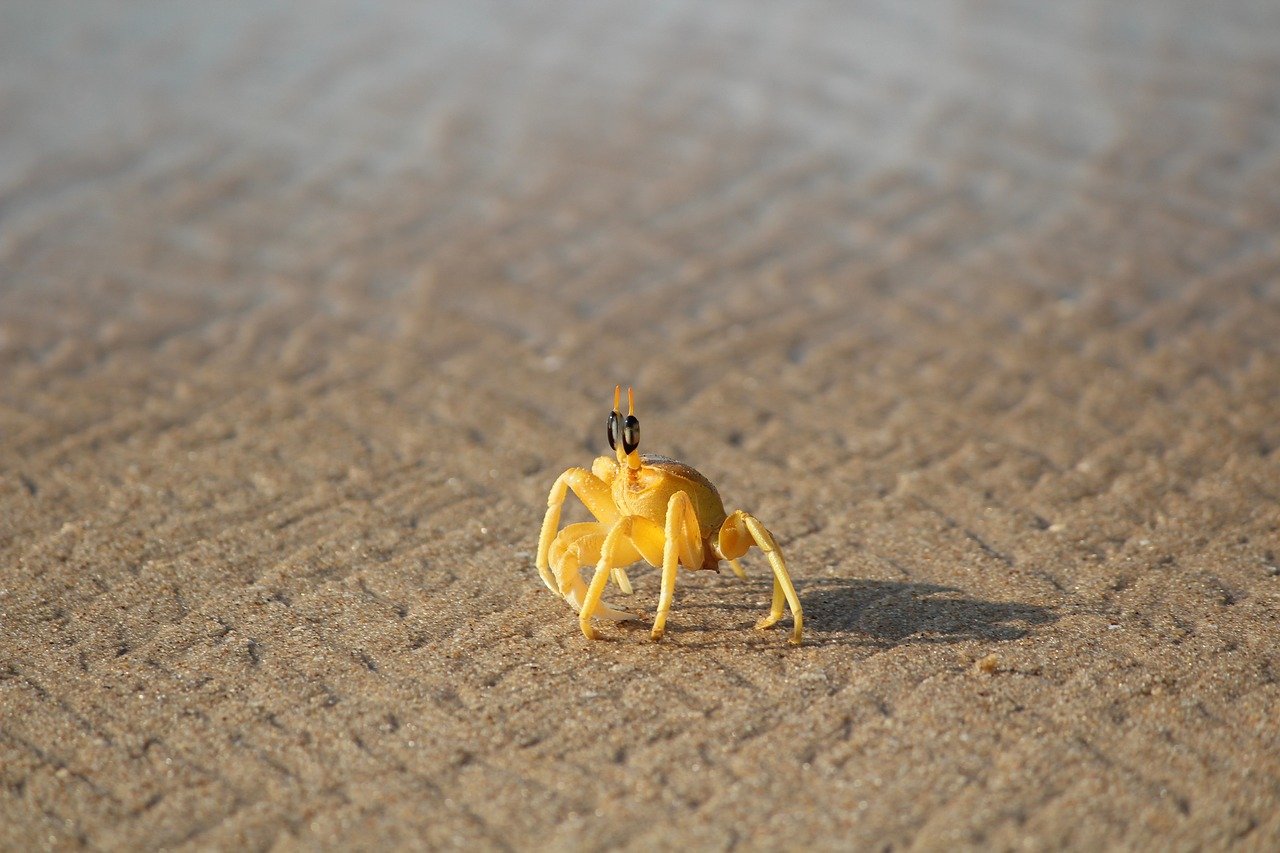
point(843, 611)
point(894, 612)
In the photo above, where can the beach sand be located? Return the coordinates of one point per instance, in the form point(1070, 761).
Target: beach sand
point(303, 310)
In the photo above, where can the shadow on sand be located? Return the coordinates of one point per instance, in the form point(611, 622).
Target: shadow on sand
point(893, 612)
point(883, 614)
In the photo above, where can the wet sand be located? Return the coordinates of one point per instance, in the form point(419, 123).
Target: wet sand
point(302, 311)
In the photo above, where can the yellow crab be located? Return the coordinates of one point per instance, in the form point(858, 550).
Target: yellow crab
point(653, 508)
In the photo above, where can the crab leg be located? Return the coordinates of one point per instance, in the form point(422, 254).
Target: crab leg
point(594, 494)
point(776, 608)
point(630, 539)
point(739, 532)
point(575, 545)
point(570, 537)
point(683, 542)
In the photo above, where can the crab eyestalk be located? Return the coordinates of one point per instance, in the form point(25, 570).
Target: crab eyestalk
point(630, 450)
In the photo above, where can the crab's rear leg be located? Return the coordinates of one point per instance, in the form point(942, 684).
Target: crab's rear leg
point(738, 533)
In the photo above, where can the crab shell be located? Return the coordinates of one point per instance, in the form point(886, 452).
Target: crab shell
point(646, 491)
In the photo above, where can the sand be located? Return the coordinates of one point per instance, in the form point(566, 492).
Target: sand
point(303, 309)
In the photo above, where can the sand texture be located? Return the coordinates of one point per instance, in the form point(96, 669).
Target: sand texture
point(304, 306)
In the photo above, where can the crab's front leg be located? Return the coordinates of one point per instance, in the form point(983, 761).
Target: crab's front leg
point(605, 469)
point(632, 538)
point(595, 496)
point(738, 533)
point(575, 545)
point(683, 541)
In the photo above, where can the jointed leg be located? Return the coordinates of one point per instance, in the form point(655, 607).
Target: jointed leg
point(776, 608)
point(739, 532)
point(683, 542)
point(575, 545)
point(605, 469)
point(594, 494)
point(630, 539)
point(571, 538)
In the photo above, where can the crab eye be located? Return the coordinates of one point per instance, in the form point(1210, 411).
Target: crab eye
point(631, 434)
point(614, 430)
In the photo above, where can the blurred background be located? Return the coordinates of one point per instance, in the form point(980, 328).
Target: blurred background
point(626, 156)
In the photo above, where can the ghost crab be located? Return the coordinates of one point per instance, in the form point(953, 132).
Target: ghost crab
point(652, 508)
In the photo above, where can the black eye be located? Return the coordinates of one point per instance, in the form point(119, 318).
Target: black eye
point(615, 430)
point(631, 434)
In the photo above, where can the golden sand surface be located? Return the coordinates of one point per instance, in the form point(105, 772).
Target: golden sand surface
point(304, 306)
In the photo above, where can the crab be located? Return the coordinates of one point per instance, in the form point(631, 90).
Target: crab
point(653, 508)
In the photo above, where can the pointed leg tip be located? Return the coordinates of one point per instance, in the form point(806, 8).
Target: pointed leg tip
point(656, 634)
point(765, 623)
point(608, 614)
